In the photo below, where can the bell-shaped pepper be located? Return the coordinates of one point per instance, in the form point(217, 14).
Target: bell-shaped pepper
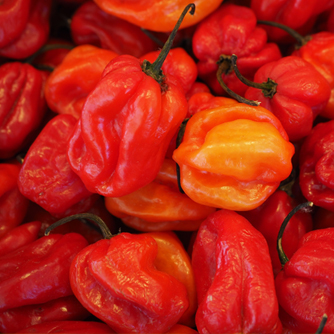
point(233, 157)
point(231, 29)
point(234, 278)
point(316, 162)
point(159, 206)
point(91, 25)
point(69, 84)
point(46, 177)
point(22, 105)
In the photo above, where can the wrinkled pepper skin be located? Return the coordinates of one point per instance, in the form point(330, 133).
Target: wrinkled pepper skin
point(159, 206)
point(69, 84)
point(234, 279)
point(115, 279)
point(91, 25)
point(27, 275)
point(316, 162)
point(268, 218)
point(233, 157)
point(157, 16)
point(305, 284)
point(231, 30)
point(138, 117)
point(22, 105)
point(302, 93)
point(46, 177)
point(318, 52)
point(60, 309)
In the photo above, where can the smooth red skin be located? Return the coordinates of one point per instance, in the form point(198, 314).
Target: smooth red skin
point(138, 119)
point(60, 309)
point(178, 329)
point(316, 166)
point(75, 327)
point(22, 105)
point(19, 236)
point(231, 29)
point(35, 34)
point(91, 25)
point(298, 15)
point(305, 285)
point(301, 94)
point(13, 19)
point(38, 272)
point(46, 177)
point(268, 219)
point(116, 281)
point(13, 205)
point(234, 279)
point(178, 64)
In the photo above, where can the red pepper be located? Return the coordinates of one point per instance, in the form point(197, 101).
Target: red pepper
point(13, 205)
point(60, 309)
point(316, 161)
point(91, 25)
point(46, 177)
point(323, 218)
point(231, 29)
point(22, 105)
point(138, 108)
point(19, 236)
point(35, 33)
point(234, 278)
point(268, 219)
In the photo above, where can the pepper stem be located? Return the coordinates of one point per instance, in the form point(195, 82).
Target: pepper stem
point(224, 67)
point(89, 216)
point(154, 70)
point(322, 324)
point(282, 256)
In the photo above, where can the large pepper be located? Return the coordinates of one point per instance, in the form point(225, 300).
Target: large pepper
point(22, 105)
point(316, 161)
point(233, 157)
point(234, 278)
point(138, 108)
point(231, 29)
point(159, 206)
point(91, 25)
point(69, 84)
point(157, 16)
point(46, 177)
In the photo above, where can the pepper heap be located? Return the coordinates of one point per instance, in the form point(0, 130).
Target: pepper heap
point(151, 156)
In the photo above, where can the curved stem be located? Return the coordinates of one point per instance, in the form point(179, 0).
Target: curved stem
point(89, 216)
point(268, 88)
point(282, 256)
point(322, 324)
point(224, 65)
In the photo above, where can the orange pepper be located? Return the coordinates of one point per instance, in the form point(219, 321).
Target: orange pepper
point(157, 15)
point(159, 206)
point(233, 157)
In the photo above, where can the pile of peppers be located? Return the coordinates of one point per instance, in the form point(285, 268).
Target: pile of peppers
point(167, 167)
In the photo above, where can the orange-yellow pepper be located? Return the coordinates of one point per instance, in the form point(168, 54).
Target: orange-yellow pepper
point(233, 157)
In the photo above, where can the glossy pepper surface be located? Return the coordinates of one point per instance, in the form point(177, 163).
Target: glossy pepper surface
point(231, 29)
point(316, 166)
point(46, 177)
point(234, 279)
point(233, 157)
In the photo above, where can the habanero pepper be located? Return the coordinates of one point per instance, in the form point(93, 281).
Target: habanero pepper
point(157, 16)
point(233, 157)
point(46, 177)
point(159, 206)
point(91, 25)
point(231, 29)
point(234, 278)
point(138, 108)
point(69, 84)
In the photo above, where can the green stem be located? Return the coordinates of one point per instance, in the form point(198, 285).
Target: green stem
point(322, 324)
point(282, 256)
point(89, 216)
